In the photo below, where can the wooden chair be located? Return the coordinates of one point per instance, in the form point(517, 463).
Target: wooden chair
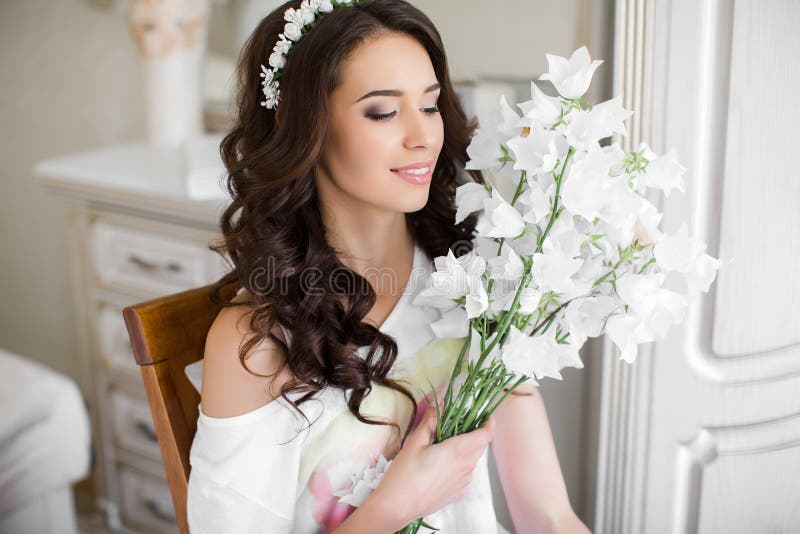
point(167, 334)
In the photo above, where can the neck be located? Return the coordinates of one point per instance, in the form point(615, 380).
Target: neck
point(364, 236)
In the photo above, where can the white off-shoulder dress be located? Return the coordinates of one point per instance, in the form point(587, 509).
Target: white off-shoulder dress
point(267, 471)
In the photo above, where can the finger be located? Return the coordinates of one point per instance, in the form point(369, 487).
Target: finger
point(430, 397)
point(485, 432)
point(467, 442)
point(421, 435)
point(477, 438)
point(490, 423)
point(478, 452)
point(490, 428)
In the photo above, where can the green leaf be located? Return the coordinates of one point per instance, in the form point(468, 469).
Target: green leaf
point(436, 405)
point(426, 525)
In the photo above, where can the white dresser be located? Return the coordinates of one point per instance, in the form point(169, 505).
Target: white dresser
point(135, 234)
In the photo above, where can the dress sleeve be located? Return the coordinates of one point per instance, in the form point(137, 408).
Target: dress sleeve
point(218, 508)
point(243, 476)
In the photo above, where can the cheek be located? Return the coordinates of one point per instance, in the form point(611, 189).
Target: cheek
point(365, 155)
point(362, 156)
point(370, 152)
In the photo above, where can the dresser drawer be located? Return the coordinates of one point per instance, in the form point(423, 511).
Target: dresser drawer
point(146, 503)
point(132, 424)
point(112, 339)
point(147, 261)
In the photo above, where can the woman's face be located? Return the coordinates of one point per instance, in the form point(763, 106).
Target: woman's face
point(370, 133)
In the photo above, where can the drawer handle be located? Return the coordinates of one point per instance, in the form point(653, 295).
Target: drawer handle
point(142, 263)
point(174, 267)
point(150, 267)
point(148, 432)
point(153, 507)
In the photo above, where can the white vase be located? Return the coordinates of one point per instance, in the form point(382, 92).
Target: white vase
point(171, 36)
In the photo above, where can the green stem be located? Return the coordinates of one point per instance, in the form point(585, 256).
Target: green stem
point(549, 317)
point(554, 210)
point(520, 187)
point(459, 364)
point(518, 383)
point(492, 402)
point(442, 424)
point(414, 526)
point(454, 412)
point(651, 260)
point(484, 392)
point(526, 276)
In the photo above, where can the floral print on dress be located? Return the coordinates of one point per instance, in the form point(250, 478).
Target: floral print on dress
point(328, 511)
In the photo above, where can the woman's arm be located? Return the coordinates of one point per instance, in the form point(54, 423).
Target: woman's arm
point(528, 467)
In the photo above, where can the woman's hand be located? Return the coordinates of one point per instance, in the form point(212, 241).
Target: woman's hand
point(425, 477)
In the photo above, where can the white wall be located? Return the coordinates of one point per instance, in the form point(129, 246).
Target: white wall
point(69, 80)
point(506, 38)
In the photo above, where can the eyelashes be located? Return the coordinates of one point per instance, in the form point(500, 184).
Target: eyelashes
point(387, 116)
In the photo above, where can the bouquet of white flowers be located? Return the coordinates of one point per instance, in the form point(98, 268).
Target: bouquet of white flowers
point(567, 248)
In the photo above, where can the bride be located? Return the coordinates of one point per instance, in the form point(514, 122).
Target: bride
point(343, 164)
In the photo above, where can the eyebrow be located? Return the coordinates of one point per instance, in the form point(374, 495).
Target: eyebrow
point(394, 92)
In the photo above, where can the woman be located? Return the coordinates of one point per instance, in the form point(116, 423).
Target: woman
point(315, 369)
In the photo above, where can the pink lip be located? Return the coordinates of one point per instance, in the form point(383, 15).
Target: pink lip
point(415, 165)
point(416, 179)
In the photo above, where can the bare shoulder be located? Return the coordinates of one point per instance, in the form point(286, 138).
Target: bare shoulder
point(228, 388)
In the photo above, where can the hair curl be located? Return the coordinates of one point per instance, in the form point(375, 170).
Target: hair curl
point(273, 230)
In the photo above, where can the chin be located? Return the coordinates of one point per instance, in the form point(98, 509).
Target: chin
point(412, 202)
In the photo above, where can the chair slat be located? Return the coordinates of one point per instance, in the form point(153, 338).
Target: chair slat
point(167, 334)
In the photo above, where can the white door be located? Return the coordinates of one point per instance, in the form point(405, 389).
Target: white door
point(702, 433)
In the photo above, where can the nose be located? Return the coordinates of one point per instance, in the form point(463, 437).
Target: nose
point(421, 129)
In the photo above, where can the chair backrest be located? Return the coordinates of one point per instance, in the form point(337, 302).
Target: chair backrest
point(167, 334)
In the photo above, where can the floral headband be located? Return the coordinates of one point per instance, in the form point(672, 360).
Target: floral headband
point(299, 23)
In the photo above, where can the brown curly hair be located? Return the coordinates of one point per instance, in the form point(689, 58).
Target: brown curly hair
point(273, 230)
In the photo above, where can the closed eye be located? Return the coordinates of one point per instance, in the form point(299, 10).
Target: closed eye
point(387, 116)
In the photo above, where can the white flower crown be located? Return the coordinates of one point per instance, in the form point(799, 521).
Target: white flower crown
point(300, 22)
